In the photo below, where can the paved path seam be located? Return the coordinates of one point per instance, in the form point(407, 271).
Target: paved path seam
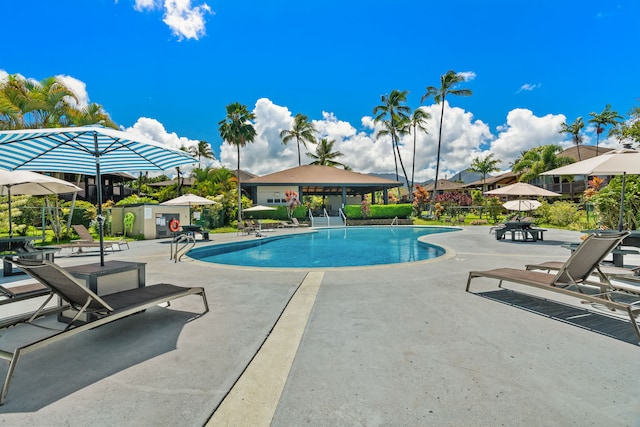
point(254, 398)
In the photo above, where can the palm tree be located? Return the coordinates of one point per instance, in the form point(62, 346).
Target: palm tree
point(484, 167)
point(236, 129)
point(628, 131)
point(92, 114)
point(302, 130)
point(418, 120)
point(203, 149)
point(574, 130)
point(394, 115)
point(447, 83)
point(325, 155)
point(606, 117)
point(539, 159)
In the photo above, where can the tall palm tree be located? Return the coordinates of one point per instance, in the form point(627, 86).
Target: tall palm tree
point(484, 166)
point(447, 83)
point(203, 149)
point(539, 159)
point(393, 114)
point(325, 155)
point(302, 131)
point(606, 117)
point(574, 130)
point(236, 128)
point(418, 120)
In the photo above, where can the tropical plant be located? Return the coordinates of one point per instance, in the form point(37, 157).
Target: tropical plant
point(302, 131)
point(539, 159)
point(602, 119)
point(236, 128)
point(448, 82)
point(393, 114)
point(484, 166)
point(628, 132)
point(574, 130)
point(325, 155)
point(202, 149)
point(607, 203)
point(417, 120)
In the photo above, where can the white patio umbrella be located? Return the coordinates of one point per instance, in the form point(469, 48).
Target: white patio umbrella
point(521, 189)
point(522, 205)
point(188, 200)
point(258, 208)
point(87, 150)
point(36, 184)
point(616, 162)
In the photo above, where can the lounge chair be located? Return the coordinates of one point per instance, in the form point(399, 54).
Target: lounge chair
point(103, 309)
point(295, 222)
point(22, 292)
point(574, 277)
point(86, 237)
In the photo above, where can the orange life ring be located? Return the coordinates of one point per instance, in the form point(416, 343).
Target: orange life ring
point(174, 225)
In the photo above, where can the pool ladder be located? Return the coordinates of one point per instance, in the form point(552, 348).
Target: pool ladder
point(183, 244)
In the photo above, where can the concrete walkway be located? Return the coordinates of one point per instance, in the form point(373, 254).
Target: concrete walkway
point(400, 345)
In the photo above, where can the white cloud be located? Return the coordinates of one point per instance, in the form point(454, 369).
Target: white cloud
point(142, 5)
point(524, 131)
point(529, 87)
point(467, 75)
point(153, 129)
point(79, 88)
point(362, 150)
point(187, 21)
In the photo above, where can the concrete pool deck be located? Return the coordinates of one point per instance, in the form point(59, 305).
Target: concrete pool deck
point(399, 345)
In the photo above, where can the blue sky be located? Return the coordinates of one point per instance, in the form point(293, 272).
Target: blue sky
point(167, 69)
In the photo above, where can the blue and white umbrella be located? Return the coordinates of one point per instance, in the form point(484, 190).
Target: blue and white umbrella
point(89, 150)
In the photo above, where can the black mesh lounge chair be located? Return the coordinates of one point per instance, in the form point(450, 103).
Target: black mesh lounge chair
point(575, 277)
point(104, 309)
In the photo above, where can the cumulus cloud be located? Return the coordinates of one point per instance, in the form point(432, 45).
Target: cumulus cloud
point(363, 150)
point(153, 129)
point(467, 75)
point(186, 21)
point(528, 87)
point(523, 131)
point(79, 88)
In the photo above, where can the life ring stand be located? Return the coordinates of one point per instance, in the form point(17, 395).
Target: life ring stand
point(174, 225)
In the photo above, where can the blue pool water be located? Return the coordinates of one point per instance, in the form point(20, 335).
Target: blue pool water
point(332, 247)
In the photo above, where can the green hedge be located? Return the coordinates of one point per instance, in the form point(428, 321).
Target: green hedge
point(380, 211)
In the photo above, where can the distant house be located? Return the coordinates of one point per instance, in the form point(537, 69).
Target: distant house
point(446, 186)
point(573, 187)
point(340, 187)
point(493, 182)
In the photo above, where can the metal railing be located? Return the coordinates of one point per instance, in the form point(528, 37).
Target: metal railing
point(183, 244)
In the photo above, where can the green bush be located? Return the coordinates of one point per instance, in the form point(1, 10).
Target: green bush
point(379, 211)
point(560, 213)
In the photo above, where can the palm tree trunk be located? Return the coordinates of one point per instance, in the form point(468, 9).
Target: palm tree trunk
point(299, 160)
point(435, 184)
point(239, 191)
point(413, 166)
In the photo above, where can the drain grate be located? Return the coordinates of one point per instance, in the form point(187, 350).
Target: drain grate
point(606, 325)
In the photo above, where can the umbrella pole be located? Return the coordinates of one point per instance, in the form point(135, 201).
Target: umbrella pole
point(620, 220)
point(9, 203)
point(100, 218)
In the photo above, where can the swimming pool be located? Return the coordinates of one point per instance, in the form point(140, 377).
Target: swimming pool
point(330, 247)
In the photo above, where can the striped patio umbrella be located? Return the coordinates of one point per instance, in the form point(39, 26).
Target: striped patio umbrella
point(89, 150)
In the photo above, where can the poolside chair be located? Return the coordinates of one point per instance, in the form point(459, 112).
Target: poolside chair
point(103, 309)
point(574, 277)
point(22, 292)
point(86, 237)
point(295, 222)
